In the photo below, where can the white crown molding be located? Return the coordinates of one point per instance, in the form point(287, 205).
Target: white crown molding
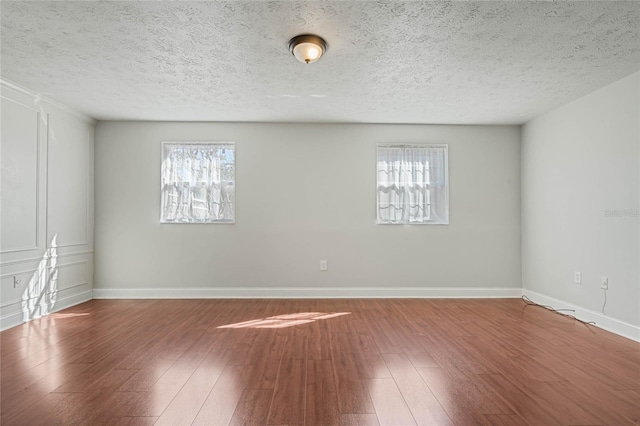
point(8, 84)
point(305, 293)
point(604, 322)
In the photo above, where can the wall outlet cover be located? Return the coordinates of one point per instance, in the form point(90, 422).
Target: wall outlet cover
point(324, 265)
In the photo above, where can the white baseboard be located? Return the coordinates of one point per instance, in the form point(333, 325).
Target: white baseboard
point(18, 318)
point(604, 322)
point(305, 293)
point(613, 325)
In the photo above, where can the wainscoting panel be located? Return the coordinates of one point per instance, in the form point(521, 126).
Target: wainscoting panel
point(68, 193)
point(33, 289)
point(46, 261)
point(21, 206)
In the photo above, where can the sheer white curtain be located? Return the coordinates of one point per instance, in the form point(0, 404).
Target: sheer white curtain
point(412, 184)
point(198, 181)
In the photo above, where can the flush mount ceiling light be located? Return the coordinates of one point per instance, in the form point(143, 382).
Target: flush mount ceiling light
point(307, 48)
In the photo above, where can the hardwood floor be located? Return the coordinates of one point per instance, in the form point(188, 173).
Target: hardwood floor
point(285, 362)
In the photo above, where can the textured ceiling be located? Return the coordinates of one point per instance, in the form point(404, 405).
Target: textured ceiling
point(389, 62)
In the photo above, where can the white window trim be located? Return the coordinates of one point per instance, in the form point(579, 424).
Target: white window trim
point(196, 142)
point(446, 179)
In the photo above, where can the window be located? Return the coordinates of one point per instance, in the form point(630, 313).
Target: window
point(412, 184)
point(198, 182)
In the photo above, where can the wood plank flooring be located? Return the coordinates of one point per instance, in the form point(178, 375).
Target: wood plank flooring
point(316, 362)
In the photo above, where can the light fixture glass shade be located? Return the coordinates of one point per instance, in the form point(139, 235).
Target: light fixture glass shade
point(307, 52)
point(307, 48)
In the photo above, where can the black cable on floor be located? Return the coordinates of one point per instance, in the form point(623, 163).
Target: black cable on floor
point(530, 302)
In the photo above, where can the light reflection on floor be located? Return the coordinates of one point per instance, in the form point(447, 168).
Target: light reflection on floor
point(286, 320)
point(69, 315)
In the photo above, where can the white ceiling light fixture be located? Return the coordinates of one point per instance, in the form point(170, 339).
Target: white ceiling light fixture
point(307, 48)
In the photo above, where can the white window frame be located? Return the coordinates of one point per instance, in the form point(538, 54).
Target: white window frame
point(164, 146)
point(444, 192)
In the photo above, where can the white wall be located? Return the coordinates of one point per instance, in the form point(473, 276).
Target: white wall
point(46, 231)
point(306, 192)
point(579, 163)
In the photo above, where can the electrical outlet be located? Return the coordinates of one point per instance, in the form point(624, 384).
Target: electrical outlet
point(604, 283)
point(577, 277)
point(323, 265)
point(17, 281)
